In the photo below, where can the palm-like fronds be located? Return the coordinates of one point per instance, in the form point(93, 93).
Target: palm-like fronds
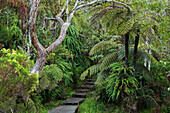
point(104, 45)
point(113, 57)
point(91, 70)
point(101, 77)
point(109, 59)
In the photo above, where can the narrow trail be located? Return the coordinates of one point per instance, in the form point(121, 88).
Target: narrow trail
point(71, 105)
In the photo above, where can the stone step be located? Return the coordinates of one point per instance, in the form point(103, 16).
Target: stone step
point(90, 80)
point(87, 87)
point(90, 83)
point(80, 95)
point(65, 109)
point(82, 90)
point(73, 101)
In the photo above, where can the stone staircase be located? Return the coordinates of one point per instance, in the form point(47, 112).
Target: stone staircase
point(71, 105)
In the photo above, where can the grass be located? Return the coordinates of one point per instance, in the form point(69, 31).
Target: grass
point(91, 105)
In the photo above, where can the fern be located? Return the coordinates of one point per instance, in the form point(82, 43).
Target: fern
point(51, 75)
point(91, 70)
point(101, 77)
point(102, 46)
point(109, 59)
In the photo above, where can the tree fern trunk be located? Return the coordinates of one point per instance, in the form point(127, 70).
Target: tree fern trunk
point(135, 50)
point(126, 48)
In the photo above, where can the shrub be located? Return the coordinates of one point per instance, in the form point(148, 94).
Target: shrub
point(15, 81)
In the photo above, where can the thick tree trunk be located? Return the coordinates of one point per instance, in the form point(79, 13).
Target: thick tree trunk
point(126, 48)
point(42, 52)
point(38, 65)
point(135, 50)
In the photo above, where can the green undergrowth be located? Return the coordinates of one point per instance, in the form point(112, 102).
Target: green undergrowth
point(67, 93)
point(91, 105)
point(49, 106)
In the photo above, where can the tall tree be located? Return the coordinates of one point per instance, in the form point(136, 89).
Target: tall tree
point(44, 52)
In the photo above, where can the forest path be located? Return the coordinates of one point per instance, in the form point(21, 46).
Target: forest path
point(71, 105)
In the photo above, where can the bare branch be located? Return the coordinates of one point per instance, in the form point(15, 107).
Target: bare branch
point(72, 12)
point(60, 20)
point(47, 18)
point(32, 27)
point(60, 39)
point(76, 7)
point(61, 12)
point(151, 98)
point(43, 25)
point(55, 27)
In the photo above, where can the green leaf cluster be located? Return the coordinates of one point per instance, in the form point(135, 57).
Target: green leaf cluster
point(15, 81)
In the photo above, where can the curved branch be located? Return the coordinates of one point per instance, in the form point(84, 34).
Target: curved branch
point(60, 39)
point(32, 24)
point(96, 1)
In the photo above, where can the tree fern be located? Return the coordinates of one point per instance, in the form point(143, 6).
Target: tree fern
point(104, 45)
point(91, 70)
point(109, 59)
point(101, 77)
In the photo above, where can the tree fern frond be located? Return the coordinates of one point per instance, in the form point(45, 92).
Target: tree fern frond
point(53, 85)
point(141, 54)
point(101, 77)
point(100, 14)
point(109, 59)
point(125, 27)
point(84, 74)
point(141, 69)
point(104, 45)
point(95, 9)
point(90, 71)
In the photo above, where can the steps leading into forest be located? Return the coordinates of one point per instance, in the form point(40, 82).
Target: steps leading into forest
point(65, 109)
point(89, 83)
point(82, 90)
point(80, 95)
point(87, 87)
point(90, 80)
point(71, 105)
point(73, 101)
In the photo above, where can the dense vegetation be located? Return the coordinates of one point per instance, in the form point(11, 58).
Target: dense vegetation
point(47, 48)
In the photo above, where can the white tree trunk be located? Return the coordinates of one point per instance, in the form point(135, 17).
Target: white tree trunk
point(42, 52)
point(149, 61)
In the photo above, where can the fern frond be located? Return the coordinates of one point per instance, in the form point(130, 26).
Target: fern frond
point(150, 57)
point(90, 71)
point(101, 77)
point(104, 45)
point(53, 85)
point(109, 59)
point(141, 69)
point(84, 74)
point(125, 27)
point(44, 83)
